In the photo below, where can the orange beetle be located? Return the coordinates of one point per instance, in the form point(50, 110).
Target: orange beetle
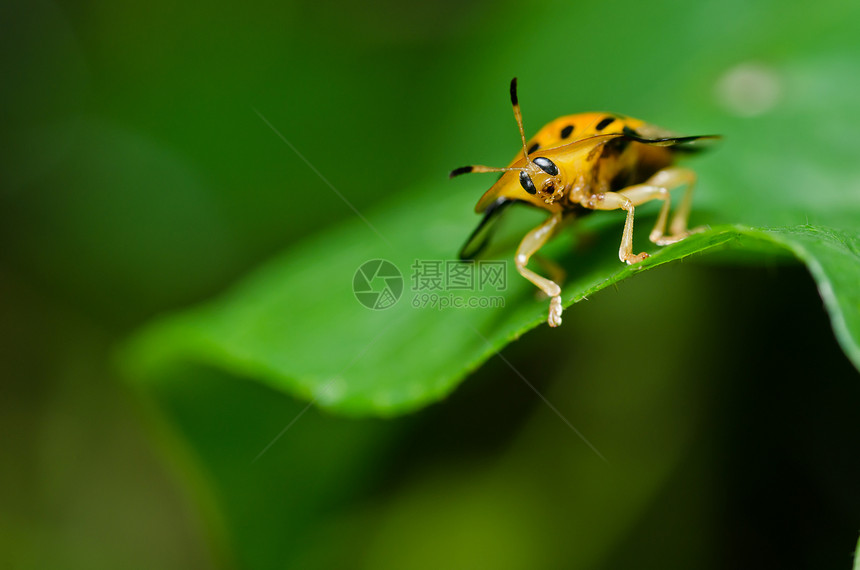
point(583, 162)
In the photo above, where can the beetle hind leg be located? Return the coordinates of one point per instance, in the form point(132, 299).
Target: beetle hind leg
point(669, 179)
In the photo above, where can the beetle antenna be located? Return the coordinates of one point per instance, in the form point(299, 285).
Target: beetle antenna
point(518, 115)
point(478, 168)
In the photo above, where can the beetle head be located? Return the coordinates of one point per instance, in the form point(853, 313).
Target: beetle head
point(541, 176)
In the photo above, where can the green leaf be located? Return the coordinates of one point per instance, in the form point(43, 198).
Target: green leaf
point(296, 325)
point(857, 556)
point(784, 179)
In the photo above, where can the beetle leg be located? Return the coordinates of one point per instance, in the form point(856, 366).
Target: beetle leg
point(555, 271)
point(618, 201)
point(655, 188)
point(658, 187)
point(532, 242)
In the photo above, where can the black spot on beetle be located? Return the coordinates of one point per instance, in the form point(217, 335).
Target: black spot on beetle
point(565, 132)
point(534, 147)
point(604, 123)
point(631, 132)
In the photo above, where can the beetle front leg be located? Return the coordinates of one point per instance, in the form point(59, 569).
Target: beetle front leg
point(616, 201)
point(554, 271)
point(533, 241)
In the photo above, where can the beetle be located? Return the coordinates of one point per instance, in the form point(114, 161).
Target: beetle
point(580, 163)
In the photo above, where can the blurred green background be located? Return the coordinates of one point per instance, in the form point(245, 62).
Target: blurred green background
point(137, 178)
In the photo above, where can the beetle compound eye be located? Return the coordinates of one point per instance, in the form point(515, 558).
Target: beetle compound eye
point(527, 183)
point(546, 165)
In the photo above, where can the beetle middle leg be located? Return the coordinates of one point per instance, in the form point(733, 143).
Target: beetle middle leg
point(533, 241)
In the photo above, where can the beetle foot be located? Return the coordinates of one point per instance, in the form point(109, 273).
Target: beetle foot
point(632, 259)
point(554, 318)
point(675, 238)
